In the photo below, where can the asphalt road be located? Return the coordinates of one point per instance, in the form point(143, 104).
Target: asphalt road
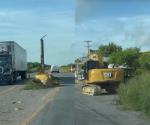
point(70, 107)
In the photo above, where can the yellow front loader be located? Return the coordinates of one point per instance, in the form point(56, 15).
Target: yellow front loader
point(43, 77)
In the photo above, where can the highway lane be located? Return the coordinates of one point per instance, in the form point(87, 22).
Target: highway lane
point(71, 107)
point(61, 109)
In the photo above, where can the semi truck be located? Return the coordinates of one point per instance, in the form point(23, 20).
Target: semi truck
point(13, 61)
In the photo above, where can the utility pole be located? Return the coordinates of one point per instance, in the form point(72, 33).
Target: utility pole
point(42, 53)
point(88, 47)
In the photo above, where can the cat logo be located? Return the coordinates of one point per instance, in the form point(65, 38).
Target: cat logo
point(107, 74)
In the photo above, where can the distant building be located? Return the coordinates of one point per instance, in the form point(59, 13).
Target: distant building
point(105, 59)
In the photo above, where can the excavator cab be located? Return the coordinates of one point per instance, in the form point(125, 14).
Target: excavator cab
point(90, 65)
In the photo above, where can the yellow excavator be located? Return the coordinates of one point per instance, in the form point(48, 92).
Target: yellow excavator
point(98, 78)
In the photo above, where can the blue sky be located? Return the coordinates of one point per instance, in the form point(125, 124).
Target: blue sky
point(26, 21)
point(68, 23)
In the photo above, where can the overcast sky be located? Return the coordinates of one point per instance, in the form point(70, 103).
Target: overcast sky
point(70, 22)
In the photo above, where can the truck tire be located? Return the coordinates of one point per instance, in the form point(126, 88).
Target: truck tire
point(11, 79)
point(14, 77)
point(24, 75)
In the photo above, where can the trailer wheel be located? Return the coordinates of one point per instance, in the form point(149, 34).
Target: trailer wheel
point(11, 79)
point(14, 77)
point(23, 75)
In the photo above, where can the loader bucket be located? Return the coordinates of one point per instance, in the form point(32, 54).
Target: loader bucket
point(43, 77)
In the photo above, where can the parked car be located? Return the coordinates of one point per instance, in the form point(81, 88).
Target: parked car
point(55, 69)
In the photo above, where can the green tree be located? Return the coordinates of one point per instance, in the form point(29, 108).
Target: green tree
point(109, 49)
point(35, 66)
point(128, 56)
point(144, 60)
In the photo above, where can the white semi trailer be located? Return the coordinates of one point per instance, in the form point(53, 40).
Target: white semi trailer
point(13, 61)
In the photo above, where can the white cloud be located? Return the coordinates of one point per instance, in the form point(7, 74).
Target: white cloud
point(28, 21)
point(138, 18)
point(137, 30)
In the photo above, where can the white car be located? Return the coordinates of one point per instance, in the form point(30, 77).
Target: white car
point(55, 69)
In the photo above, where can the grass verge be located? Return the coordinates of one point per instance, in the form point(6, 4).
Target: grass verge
point(65, 69)
point(34, 84)
point(135, 94)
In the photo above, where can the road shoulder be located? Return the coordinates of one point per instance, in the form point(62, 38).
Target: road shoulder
point(20, 106)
